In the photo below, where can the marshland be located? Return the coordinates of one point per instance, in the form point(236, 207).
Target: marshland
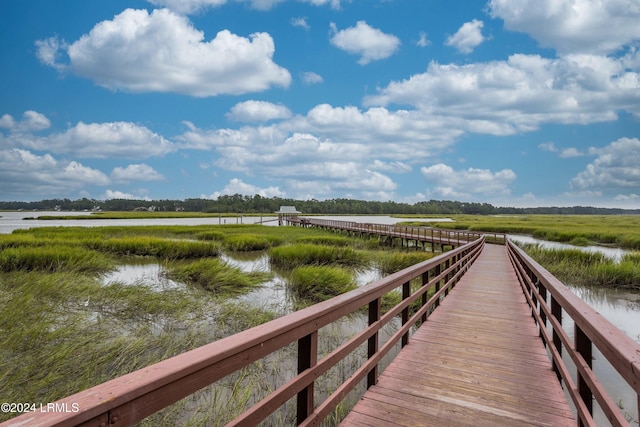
point(81, 305)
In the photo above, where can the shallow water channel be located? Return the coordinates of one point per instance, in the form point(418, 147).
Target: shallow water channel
point(615, 254)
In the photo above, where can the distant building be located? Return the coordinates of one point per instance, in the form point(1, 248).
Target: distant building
point(286, 212)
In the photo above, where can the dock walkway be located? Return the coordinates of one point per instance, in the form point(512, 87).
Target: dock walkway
point(477, 361)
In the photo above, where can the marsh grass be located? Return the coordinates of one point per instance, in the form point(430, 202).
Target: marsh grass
point(318, 283)
point(291, 256)
point(633, 257)
point(250, 242)
point(392, 261)
point(217, 276)
point(53, 258)
point(581, 268)
point(210, 235)
point(327, 240)
point(155, 247)
point(64, 332)
point(619, 230)
point(17, 241)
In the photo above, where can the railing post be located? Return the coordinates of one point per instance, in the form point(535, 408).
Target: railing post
point(447, 264)
point(532, 279)
point(425, 297)
point(584, 347)
point(307, 357)
point(542, 291)
point(556, 311)
point(437, 286)
point(372, 343)
point(406, 293)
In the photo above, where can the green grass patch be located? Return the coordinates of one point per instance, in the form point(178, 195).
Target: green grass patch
point(580, 241)
point(291, 256)
point(392, 261)
point(619, 230)
point(65, 332)
point(250, 242)
point(210, 235)
point(217, 276)
point(54, 258)
point(327, 240)
point(155, 247)
point(633, 257)
point(580, 268)
point(318, 283)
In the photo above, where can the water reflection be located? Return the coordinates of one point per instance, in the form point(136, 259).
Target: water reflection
point(614, 253)
point(149, 274)
point(620, 307)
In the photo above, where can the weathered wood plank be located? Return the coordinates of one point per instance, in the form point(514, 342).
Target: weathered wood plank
point(477, 360)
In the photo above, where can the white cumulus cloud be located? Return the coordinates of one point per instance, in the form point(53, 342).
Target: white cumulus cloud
point(115, 194)
point(99, 140)
point(161, 51)
point(31, 121)
point(589, 26)
point(258, 111)
point(311, 78)
point(25, 173)
point(136, 172)
point(519, 94)
point(469, 183)
point(194, 6)
point(300, 22)
point(237, 186)
point(423, 41)
point(368, 42)
point(615, 168)
point(468, 37)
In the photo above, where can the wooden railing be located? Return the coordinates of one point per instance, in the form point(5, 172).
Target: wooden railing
point(423, 234)
point(551, 301)
point(132, 397)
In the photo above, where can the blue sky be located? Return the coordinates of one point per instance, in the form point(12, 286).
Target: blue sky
point(514, 103)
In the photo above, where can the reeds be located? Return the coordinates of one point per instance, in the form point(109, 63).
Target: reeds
point(318, 283)
point(291, 256)
point(327, 240)
point(155, 247)
point(581, 268)
point(619, 230)
point(217, 276)
point(53, 258)
point(390, 262)
point(250, 242)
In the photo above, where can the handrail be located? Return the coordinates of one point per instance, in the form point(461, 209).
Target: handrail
point(427, 234)
point(549, 299)
point(132, 397)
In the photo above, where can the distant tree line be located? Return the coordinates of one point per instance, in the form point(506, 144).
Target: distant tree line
point(238, 203)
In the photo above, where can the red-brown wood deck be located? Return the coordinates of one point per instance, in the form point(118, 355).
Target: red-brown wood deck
point(477, 361)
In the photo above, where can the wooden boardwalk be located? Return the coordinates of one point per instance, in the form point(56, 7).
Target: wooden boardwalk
point(477, 361)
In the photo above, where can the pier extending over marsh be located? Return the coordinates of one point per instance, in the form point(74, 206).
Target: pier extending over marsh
point(481, 339)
